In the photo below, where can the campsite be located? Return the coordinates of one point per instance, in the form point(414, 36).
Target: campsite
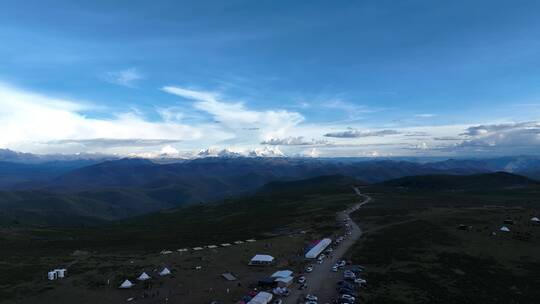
point(287, 223)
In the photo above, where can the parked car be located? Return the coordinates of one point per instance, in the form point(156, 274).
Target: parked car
point(348, 297)
point(309, 268)
point(346, 291)
point(311, 297)
point(278, 301)
point(301, 279)
point(334, 268)
point(310, 302)
point(360, 281)
point(341, 283)
point(349, 276)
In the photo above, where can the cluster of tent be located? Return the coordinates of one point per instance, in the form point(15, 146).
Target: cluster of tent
point(534, 220)
point(143, 277)
point(59, 273)
point(199, 248)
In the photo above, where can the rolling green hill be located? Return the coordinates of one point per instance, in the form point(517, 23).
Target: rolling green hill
point(493, 181)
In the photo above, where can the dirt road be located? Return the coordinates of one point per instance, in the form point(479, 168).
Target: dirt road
point(322, 281)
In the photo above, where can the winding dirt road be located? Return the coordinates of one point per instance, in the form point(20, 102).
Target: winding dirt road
point(322, 281)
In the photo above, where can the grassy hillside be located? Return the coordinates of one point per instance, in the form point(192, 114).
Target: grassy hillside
point(490, 181)
point(414, 252)
point(259, 214)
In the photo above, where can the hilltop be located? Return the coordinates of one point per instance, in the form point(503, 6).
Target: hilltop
point(493, 181)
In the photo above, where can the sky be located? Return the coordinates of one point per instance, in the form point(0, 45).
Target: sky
point(295, 78)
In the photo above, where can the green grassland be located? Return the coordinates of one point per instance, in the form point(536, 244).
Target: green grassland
point(414, 252)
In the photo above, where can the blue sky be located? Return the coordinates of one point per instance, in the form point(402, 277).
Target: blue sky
point(317, 78)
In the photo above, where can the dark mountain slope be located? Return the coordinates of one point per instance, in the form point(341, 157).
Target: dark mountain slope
point(43, 208)
point(21, 175)
point(320, 184)
point(494, 181)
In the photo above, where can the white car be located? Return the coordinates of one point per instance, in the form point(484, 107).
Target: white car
point(360, 281)
point(309, 269)
point(310, 302)
point(311, 297)
point(348, 297)
point(334, 268)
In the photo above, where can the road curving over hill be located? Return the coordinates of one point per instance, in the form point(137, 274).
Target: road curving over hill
point(322, 281)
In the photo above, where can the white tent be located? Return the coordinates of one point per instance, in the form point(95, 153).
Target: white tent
point(61, 273)
point(261, 259)
point(282, 274)
point(143, 277)
point(261, 298)
point(52, 275)
point(318, 249)
point(535, 219)
point(505, 229)
point(197, 248)
point(165, 272)
point(126, 284)
point(284, 281)
point(225, 244)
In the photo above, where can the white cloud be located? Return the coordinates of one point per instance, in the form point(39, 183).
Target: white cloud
point(293, 141)
point(235, 115)
point(126, 77)
point(349, 107)
point(314, 152)
point(520, 137)
point(425, 115)
point(357, 133)
point(34, 122)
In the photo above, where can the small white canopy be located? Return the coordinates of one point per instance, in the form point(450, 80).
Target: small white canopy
point(165, 272)
point(262, 258)
point(197, 248)
point(282, 274)
point(225, 244)
point(261, 298)
point(126, 284)
point(143, 277)
point(505, 229)
point(52, 275)
point(535, 219)
point(61, 272)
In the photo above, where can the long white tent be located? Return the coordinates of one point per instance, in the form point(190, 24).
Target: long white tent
point(314, 252)
point(261, 298)
point(261, 259)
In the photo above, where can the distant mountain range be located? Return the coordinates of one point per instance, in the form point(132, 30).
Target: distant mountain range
point(92, 189)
